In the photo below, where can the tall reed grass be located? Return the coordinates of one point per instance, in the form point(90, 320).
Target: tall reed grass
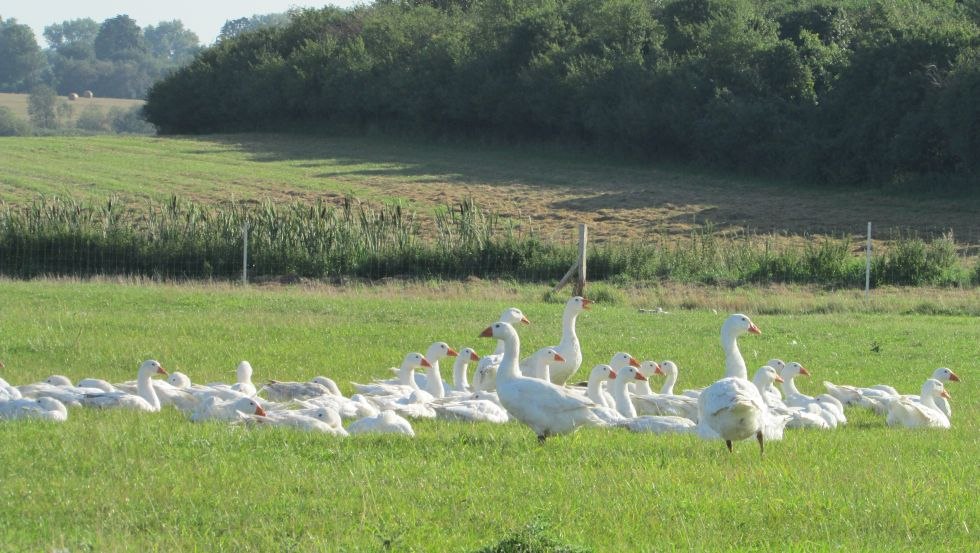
point(185, 240)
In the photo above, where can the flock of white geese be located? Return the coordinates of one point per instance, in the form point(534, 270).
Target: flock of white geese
point(533, 390)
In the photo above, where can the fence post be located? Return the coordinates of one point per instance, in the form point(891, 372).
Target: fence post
point(583, 237)
point(245, 253)
point(867, 266)
point(579, 266)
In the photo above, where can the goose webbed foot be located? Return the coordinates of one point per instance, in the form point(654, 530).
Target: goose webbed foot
point(762, 445)
point(729, 444)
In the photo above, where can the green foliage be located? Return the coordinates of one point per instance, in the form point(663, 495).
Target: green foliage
point(833, 91)
point(532, 538)
point(20, 57)
point(93, 119)
point(41, 107)
point(119, 38)
point(11, 125)
point(185, 240)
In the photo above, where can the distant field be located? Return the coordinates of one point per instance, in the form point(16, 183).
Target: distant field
point(108, 481)
point(547, 191)
point(18, 103)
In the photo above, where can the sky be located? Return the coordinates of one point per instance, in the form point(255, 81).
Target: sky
point(204, 17)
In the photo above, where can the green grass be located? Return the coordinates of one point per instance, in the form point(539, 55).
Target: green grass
point(122, 481)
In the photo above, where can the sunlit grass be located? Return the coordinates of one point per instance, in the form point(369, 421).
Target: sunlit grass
point(122, 481)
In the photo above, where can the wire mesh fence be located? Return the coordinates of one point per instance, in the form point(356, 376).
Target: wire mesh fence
point(186, 241)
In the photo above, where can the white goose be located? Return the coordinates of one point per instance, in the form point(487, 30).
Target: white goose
point(538, 365)
point(569, 347)
point(651, 424)
point(275, 390)
point(647, 368)
point(808, 417)
point(319, 419)
point(772, 393)
point(460, 366)
point(432, 381)
point(44, 408)
point(472, 409)
point(548, 409)
point(924, 413)
point(145, 398)
point(404, 384)
point(828, 408)
point(732, 408)
point(486, 370)
point(354, 407)
point(878, 397)
point(386, 422)
point(7, 391)
point(215, 408)
point(96, 383)
point(666, 402)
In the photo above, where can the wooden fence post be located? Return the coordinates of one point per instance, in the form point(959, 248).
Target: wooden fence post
point(579, 266)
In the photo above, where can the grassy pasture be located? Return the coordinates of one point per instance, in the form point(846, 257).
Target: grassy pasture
point(549, 191)
point(120, 481)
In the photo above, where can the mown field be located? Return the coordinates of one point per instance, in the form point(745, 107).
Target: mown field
point(121, 481)
point(18, 104)
point(549, 191)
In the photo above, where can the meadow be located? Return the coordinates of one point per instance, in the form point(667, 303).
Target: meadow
point(122, 481)
point(18, 104)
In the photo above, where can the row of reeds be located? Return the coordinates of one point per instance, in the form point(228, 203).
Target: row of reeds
point(184, 240)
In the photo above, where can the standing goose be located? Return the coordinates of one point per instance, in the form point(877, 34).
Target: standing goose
point(924, 413)
point(145, 398)
point(569, 347)
point(732, 408)
point(486, 370)
point(548, 409)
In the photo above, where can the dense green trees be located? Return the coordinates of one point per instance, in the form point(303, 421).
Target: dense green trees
point(830, 91)
point(20, 57)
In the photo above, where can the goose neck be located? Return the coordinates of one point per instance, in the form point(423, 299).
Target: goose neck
point(594, 390)
point(145, 389)
point(568, 336)
point(621, 396)
point(509, 364)
point(406, 377)
point(789, 386)
point(734, 363)
point(460, 383)
point(668, 387)
point(433, 381)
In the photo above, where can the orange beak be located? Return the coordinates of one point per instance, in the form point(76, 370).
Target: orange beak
point(425, 362)
point(803, 371)
point(779, 379)
point(474, 356)
point(452, 353)
point(161, 370)
point(586, 303)
point(259, 410)
point(612, 375)
point(952, 375)
point(754, 329)
point(525, 321)
point(487, 332)
point(945, 394)
point(634, 362)
point(559, 358)
point(639, 376)
point(659, 371)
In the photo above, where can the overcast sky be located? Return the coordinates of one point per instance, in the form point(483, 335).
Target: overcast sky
point(204, 17)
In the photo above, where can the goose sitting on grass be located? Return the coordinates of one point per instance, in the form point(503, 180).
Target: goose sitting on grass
point(145, 399)
point(921, 413)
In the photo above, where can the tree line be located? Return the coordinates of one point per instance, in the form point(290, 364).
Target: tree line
point(115, 58)
point(826, 91)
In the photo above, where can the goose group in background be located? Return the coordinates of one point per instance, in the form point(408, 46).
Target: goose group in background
point(505, 387)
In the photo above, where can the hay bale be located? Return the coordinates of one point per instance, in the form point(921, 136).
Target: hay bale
point(72, 96)
point(88, 94)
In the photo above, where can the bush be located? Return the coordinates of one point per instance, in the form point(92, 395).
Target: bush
point(11, 125)
point(93, 119)
point(129, 121)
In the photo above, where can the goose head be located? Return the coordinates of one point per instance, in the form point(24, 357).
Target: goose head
point(58, 380)
point(934, 389)
point(629, 373)
point(499, 330)
point(149, 368)
point(777, 364)
point(602, 372)
point(945, 374)
point(738, 324)
point(467, 355)
point(249, 406)
point(514, 316)
point(577, 304)
point(439, 350)
point(414, 361)
point(545, 356)
point(178, 379)
point(244, 372)
point(666, 368)
point(623, 359)
point(792, 370)
point(765, 376)
point(649, 368)
point(52, 404)
point(328, 416)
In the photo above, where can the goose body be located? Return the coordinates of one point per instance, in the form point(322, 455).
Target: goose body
point(404, 384)
point(548, 409)
point(828, 409)
point(666, 403)
point(275, 390)
point(45, 408)
point(217, 409)
point(145, 399)
point(924, 413)
point(879, 396)
point(732, 408)
point(386, 422)
point(355, 407)
point(648, 423)
point(808, 417)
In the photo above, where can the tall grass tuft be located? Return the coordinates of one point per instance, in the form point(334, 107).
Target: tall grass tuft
point(186, 240)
